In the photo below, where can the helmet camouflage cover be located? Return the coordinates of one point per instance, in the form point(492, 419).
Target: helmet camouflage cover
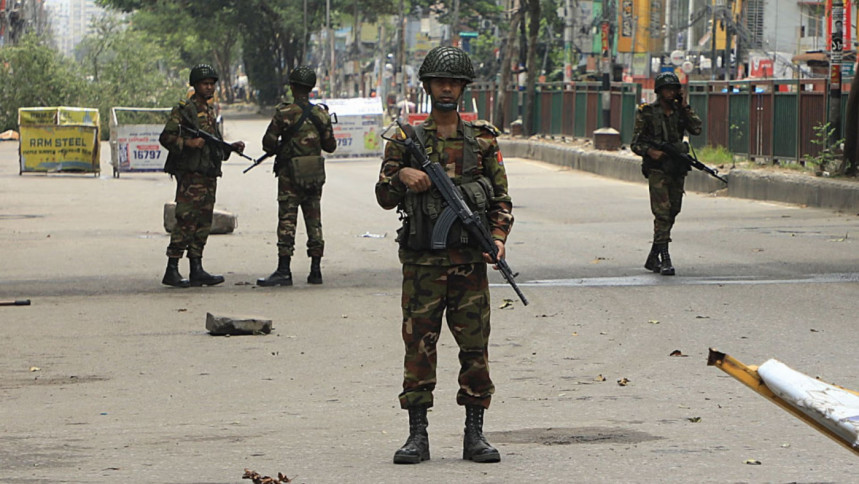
point(666, 79)
point(448, 62)
point(303, 76)
point(200, 72)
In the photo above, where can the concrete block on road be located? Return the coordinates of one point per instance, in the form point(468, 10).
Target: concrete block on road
point(222, 325)
point(222, 222)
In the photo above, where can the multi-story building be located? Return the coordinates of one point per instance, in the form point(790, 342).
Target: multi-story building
point(71, 21)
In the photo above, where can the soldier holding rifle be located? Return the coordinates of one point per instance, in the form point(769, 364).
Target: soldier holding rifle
point(196, 164)
point(451, 280)
point(665, 121)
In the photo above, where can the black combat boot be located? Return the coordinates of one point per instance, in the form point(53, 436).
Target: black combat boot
point(652, 263)
point(281, 276)
point(474, 444)
point(199, 277)
point(667, 269)
point(172, 276)
point(315, 276)
point(416, 449)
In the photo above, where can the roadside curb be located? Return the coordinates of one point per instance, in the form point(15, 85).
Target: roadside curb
point(750, 184)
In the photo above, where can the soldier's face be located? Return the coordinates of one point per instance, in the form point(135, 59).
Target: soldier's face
point(446, 90)
point(205, 88)
point(668, 92)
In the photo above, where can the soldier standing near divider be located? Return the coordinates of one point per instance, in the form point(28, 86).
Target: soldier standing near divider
point(297, 134)
point(196, 166)
point(666, 120)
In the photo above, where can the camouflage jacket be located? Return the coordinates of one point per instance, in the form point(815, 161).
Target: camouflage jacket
point(390, 191)
point(314, 135)
point(653, 124)
point(181, 159)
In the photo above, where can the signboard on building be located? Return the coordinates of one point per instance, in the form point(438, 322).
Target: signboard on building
point(641, 23)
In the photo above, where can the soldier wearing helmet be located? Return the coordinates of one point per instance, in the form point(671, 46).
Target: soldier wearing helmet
point(451, 281)
point(196, 166)
point(666, 120)
point(297, 135)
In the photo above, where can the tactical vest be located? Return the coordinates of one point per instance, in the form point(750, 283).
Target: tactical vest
point(304, 165)
point(420, 211)
point(206, 161)
point(662, 133)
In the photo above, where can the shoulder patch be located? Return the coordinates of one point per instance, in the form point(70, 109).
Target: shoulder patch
point(486, 126)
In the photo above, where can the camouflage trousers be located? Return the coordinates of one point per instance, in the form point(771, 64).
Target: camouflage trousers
point(461, 292)
point(289, 198)
point(195, 202)
point(666, 198)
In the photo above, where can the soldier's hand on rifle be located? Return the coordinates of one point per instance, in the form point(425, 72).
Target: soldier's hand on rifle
point(195, 142)
point(238, 146)
point(654, 153)
point(416, 180)
point(488, 259)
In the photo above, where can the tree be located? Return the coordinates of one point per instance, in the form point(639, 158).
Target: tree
point(531, 83)
point(32, 74)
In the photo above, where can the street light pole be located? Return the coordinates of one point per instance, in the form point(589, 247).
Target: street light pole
point(836, 47)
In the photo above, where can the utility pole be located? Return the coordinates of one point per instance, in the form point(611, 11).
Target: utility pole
point(568, 41)
point(836, 48)
point(606, 32)
point(713, 44)
point(454, 25)
point(304, 39)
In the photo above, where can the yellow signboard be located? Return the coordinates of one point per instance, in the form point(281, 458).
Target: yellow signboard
point(640, 25)
point(57, 148)
point(62, 116)
point(37, 116)
point(59, 139)
point(77, 117)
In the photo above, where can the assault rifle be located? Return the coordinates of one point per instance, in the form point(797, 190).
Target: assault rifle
point(456, 209)
point(258, 161)
point(213, 140)
point(686, 158)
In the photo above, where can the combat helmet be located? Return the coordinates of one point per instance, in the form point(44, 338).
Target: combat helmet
point(666, 79)
point(303, 76)
point(200, 72)
point(449, 62)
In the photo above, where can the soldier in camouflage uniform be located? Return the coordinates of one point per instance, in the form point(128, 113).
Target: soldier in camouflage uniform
point(196, 166)
point(297, 134)
point(451, 281)
point(666, 120)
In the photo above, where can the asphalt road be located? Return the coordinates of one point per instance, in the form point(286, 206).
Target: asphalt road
point(111, 377)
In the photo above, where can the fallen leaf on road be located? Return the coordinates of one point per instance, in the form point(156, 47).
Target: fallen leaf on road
point(623, 382)
point(35, 368)
point(694, 419)
point(599, 378)
point(507, 303)
point(677, 353)
point(753, 462)
point(653, 321)
point(598, 260)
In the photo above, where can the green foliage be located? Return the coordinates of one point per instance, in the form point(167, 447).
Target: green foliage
point(125, 70)
point(828, 158)
point(715, 155)
point(34, 75)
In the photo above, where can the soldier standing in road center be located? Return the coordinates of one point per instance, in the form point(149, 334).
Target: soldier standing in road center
point(297, 134)
point(196, 166)
point(450, 281)
point(664, 121)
